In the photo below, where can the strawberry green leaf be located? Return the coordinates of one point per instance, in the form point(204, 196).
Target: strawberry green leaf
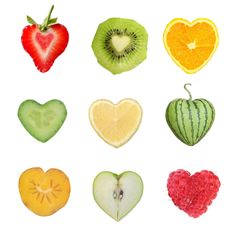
point(52, 21)
point(46, 23)
point(31, 21)
point(47, 20)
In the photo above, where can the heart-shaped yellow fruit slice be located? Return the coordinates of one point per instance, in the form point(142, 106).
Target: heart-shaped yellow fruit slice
point(44, 193)
point(115, 123)
point(191, 44)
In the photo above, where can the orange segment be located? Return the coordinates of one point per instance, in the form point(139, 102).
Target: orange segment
point(44, 193)
point(115, 123)
point(191, 44)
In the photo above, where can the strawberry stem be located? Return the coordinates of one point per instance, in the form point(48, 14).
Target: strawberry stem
point(46, 22)
point(49, 15)
point(185, 87)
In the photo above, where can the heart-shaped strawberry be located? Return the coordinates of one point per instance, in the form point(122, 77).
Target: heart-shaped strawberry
point(45, 42)
point(190, 120)
point(193, 194)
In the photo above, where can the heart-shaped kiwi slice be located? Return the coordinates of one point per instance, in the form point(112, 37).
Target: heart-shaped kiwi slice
point(120, 44)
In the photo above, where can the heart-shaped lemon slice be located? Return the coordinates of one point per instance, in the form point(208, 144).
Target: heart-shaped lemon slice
point(115, 123)
point(191, 44)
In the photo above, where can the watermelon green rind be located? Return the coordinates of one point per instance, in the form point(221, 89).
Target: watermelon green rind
point(183, 105)
point(198, 119)
point(190, 120)
point(42, 121)
point(169, 108)
point(210, 116)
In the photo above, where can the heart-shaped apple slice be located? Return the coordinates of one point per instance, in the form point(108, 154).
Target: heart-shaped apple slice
point(44, 193)
point(115, 123)
point(116, 194)
point(42, 121)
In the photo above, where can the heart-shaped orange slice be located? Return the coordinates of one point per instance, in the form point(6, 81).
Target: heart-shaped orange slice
point(115, 123)
point(44, 193)
point(191, 44)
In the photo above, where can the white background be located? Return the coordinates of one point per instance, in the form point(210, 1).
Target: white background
point(78, 80)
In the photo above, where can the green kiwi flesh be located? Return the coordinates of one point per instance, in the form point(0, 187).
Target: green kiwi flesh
point(120, 44)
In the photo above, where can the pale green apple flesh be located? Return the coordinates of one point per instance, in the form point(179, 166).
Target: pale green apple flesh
point(116, 194)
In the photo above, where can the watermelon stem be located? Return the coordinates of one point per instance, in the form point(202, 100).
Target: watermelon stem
point(185, 87)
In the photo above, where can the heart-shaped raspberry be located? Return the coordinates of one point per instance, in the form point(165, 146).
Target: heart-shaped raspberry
point(193, 194)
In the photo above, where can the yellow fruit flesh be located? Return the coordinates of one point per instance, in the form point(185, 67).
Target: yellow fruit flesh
point(44, 193)
point(115, 123)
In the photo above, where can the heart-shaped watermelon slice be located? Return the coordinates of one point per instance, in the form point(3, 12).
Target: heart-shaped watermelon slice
point(190, 120)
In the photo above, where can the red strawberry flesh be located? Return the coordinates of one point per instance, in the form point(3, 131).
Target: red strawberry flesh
point(45, 42)
point(45, 47)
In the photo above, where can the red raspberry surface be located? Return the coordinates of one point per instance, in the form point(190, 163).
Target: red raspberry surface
point(193, 194)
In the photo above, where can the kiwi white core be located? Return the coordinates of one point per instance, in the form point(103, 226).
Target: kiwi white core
point(120, 43)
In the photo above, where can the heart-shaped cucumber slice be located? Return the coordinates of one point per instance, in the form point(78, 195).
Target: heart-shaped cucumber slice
point(116, 194)
point(42, 121)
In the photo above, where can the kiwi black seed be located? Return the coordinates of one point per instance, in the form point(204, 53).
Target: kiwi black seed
point(131, 53)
